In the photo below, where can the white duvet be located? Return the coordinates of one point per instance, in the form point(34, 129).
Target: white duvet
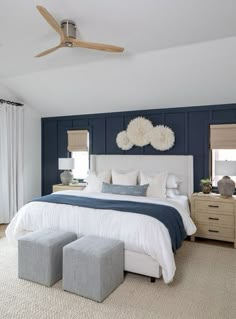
point(139, 233)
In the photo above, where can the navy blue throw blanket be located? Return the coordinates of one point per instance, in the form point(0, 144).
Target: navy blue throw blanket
point(167, 215)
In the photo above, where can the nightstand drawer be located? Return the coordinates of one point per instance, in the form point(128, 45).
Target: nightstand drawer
point(60, 187)
point(214, 206)
point(215, 219)
point(215, 232)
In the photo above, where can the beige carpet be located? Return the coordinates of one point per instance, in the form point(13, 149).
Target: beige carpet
point(204, 287)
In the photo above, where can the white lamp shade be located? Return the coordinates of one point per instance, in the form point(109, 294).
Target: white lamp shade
point(225, 168)
point(66, 163)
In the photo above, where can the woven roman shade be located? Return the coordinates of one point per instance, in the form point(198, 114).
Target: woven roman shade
point(77, 141)
point(223, 136)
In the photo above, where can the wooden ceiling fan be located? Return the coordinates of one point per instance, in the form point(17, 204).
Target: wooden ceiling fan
point(67, 33)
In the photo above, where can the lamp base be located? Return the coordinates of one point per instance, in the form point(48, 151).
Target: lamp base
point(226, 187)
point(66, 177)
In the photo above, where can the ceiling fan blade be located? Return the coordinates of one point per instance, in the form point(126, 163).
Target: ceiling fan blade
point(96, 46)
point(53, 23)
point(49, 51)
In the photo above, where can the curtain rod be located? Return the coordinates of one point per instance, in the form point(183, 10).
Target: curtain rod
point(10, 102)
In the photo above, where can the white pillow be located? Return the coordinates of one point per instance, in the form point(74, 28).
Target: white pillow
point(172, 192)
point(95, 181)
point(172, 181)
point(157, 184)
point(126, 178)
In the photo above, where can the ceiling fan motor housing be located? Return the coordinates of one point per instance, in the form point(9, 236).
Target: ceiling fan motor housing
point(69, 28)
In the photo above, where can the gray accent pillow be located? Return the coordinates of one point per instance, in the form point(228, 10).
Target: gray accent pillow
point(136, 190)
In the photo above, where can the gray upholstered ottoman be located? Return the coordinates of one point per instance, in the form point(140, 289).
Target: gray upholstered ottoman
point(93, 267)
point(40, 255)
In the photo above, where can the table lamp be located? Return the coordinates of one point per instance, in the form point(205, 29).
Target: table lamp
point(66, 164)
point(226, 186)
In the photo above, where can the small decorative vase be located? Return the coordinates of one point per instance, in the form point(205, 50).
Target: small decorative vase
point(226, 186)
point(66, 177)
point(206, 189)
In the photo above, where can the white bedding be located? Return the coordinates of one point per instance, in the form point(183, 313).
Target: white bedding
point(139, 233)
point(181, 200)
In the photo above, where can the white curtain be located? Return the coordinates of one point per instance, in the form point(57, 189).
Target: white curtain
point(11, 161)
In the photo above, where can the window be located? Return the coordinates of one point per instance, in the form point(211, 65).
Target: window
point(81, 164)
point(223, 148)
point(78, 145)
point(221, 155)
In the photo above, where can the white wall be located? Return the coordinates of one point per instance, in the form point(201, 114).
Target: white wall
point(5, 92)
point(198, 74)
point(32, 147)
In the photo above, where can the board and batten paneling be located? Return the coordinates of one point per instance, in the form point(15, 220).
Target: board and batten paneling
point(114, 125)
point(49, 155)
point(98, 135)
point(220, 115)
point(177, 122)
point(190, 125)
point(196, 145)
point(81, 124)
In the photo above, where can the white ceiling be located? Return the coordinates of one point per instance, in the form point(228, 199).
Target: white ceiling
point(138, 25)
point(146, 75)
point(199, 74)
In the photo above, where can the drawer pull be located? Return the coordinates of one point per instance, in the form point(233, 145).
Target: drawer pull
point(213, 206)
point(213, 231)
point(213, 218)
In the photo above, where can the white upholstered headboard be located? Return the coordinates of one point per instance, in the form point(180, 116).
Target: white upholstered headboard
point(180, 165)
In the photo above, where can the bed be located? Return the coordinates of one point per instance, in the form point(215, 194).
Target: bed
point(147, 243)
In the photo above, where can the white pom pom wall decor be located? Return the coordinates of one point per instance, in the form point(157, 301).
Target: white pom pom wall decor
point(123, 141)
point(162, 138)
point(140, 132)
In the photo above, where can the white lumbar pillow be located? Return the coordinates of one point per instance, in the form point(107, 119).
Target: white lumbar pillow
point(95, 181)
point(157, 184)
point(125, 178)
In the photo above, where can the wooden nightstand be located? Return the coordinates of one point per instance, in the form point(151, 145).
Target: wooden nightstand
point(60, 187)
point(214, 217)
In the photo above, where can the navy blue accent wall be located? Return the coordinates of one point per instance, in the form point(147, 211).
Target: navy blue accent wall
point(190, 124)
